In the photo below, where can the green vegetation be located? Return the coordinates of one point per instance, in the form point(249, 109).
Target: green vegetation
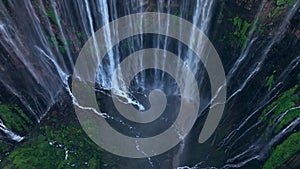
point(62, 49)
point(283, 151)
point(177, 13)
point(285, 101)
point(270, 82)
point(254, 28)
point(287, 119)
point(79, 34)
point(285, 2)
point(56, 145)
point(281, 5)
point(36, 156)
point(69, 42)
point(14, 118)
point(51, 15)
point(283, 104)
point(275, 12)
point(56, 41)
point(4, 149)
point(241, 28)
point(53, 39)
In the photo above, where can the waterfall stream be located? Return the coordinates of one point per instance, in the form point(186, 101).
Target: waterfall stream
point(41, 40)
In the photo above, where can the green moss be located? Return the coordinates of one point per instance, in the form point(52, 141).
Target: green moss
point(69, 42)
point(48, 149)
point(79, 34)
point(291, 2)
point(62, 49)
point(283, 151)
point(254, 28)
point(241, 29)
point(287, 119)
point(4, 148)
point(14, 118)
point(285, 101)
point(53, 39)
point(22, 114)
point(93, 163)
point(280, 2)
point(51, 15)
point(270, 81)
point(285, 2)
point(37, 156)
point(272, 14)
point(56, 41)
point(237, 21)
point(177, 13)
point(281, 5)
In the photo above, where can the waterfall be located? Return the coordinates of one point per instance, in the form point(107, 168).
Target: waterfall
point(9, 133)
point(41, 42)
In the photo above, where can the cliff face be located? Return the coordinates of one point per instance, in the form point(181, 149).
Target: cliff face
point(253, 33)
point(258, 43)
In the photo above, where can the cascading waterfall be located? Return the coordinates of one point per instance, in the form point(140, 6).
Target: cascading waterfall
point(40, 42)
point(293, 65)
point(8, 132)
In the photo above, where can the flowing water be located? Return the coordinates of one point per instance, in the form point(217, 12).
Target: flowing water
point(41, 40)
